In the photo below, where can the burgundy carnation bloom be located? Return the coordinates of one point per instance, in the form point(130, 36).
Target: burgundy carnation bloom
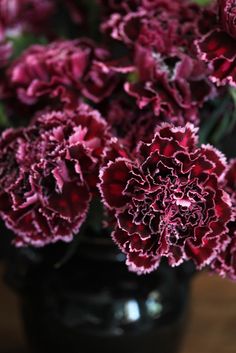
point(167, 200)
point(5, 53)
point(230, 180)
point(227, 13)
point(167, 76)
point(129, 123)
point(48, 172)
point(218, 47)
point(62, 69)
point(225, 262)
point(21, 15)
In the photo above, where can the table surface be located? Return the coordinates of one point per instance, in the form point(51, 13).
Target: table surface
point(211, 329)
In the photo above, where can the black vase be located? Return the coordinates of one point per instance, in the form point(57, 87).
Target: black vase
point(92, 303)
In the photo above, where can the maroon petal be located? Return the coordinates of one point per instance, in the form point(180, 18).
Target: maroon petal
point(114, 178)
point(216, 45)
point(141, 264)
point(46, 172)
point(224, 72)
point(172, 201)
point(228, 16)
point(73, 200)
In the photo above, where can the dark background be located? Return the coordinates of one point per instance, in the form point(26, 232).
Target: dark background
point(211, 328)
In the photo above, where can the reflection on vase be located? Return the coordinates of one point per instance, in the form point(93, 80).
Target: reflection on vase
point(93, 303)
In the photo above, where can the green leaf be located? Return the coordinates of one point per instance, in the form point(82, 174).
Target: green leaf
point(3, 117)
point(232, 92)
point(221, 120)
point(230, 116)
point(203, 2)
point(211, 121)
point(23, 41)
point(133, 77)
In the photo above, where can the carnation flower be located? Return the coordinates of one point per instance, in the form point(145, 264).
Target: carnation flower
point(129, 123)
point(5, 53)
point(230, 180)
point(167, 75)
point(62, 69)
point(225, 262)
point(218, 47)
point(167, 200)
point(48, 172)
point(115, 8)
point(19, 15)
point(227, 14)
point(16, 18)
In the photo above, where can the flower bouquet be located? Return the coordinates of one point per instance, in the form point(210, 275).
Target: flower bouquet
point(117, 122)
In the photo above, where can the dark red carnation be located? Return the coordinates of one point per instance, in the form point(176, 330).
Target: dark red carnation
point(20, 15)
point(175, 86)
point(230, 180)
point(16, 18)
point(48, 172)
point(227, 14)
point(127, 19)
point(167, 200)
point(62, 69)
point(5, 53)
point(225, 262)
point(218, 47)
point(167, 75)
point(129, 123)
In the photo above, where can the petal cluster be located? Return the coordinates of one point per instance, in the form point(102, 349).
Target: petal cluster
point(168, 76)
point(107, 110)
point(225, 262)
point(21, 15)
point(5, 53)
point(62, 69)
point(48, 172)
point(218, 46)
point(168, 201)
point(227, 14)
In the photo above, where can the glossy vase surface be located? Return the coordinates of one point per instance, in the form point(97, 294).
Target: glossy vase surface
point(92, 303)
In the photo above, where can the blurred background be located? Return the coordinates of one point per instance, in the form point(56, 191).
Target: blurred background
point(212, 318)
point(211, 326)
